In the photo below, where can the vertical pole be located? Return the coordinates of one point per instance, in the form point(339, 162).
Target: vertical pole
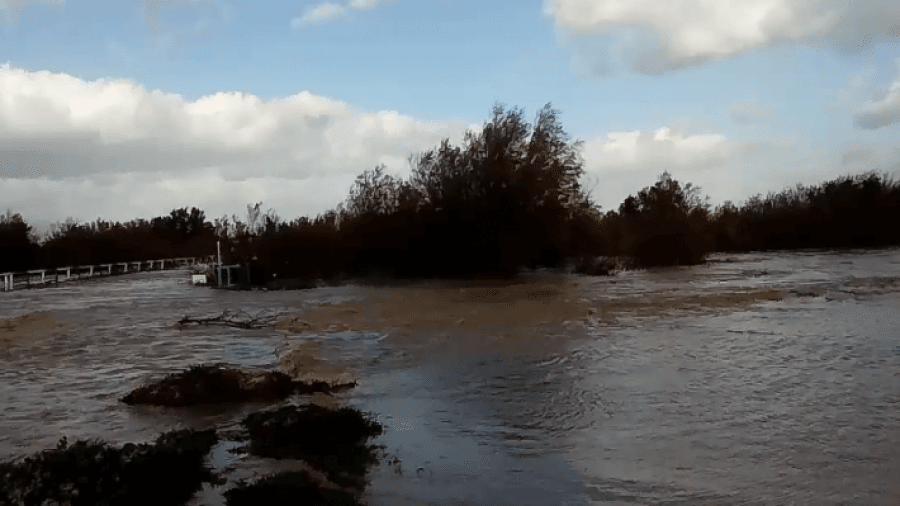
point(68, 273)
point(92, 271)
point(229, 275)
point(219, 275)
point(42, 277)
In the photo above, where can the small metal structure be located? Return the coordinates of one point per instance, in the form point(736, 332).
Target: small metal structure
point(227, 269)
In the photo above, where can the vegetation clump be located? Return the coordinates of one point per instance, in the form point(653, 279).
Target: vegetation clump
point(289, 488)
point(329, 440)
point(209, 384)
point(90, 473)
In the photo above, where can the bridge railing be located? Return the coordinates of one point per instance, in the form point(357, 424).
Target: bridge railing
point(10, 281)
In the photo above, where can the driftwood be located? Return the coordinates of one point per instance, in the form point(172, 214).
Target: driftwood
point(240, 319)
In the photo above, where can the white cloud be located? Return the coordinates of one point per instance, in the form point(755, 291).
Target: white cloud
point(103, 148)
point(329, 11)
point(884, 110)
point(320, 13)
point(625, 162)
point(664, 146)
point(656, 37)
point(56, 126)
point(368, 4)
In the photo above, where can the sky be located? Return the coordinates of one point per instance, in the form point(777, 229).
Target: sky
point(124, 110)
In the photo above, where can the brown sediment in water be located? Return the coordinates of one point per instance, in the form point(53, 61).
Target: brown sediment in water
point(505, 316)
point(302, 363)
point(26, 329)
point(679, 304)
point(407, 309)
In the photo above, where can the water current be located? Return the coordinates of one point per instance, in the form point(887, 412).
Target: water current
point(676, 388)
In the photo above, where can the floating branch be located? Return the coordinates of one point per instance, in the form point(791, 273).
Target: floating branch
point(229, 318)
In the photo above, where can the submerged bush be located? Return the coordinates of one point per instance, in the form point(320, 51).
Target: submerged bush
point(91, 473)
point(665, 224)
point(288, 489)
point(206, 384)
point(332, 441)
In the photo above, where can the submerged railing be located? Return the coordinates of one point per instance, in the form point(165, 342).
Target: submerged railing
point(42, 277)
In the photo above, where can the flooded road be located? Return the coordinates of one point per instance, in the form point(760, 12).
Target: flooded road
point(764, 378)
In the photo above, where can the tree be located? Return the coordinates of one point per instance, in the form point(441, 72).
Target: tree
point(665, 224)
point(16, 247)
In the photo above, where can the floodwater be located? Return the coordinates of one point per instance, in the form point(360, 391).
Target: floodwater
point(756, 379)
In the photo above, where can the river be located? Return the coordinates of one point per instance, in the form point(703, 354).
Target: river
point(755, 379)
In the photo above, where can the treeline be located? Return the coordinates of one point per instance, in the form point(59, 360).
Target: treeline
point(670, 224)
point(181, 233)
point(508, 198)
point(848, 212)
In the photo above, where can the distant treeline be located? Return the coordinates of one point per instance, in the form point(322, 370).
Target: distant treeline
point(509, 197)
point(182, 233)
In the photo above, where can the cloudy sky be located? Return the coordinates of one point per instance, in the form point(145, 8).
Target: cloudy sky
point(129, 109)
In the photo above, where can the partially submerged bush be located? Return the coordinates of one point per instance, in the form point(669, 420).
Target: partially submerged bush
point(332, 441)
point(205, 384)
point(90, 473)
point(288, 489)
point(665, 224)
point(602, 266)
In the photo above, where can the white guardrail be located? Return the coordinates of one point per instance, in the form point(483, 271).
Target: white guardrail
point(41, 277)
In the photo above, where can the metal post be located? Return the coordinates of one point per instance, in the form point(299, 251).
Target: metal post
point(92, 271)
point(219, 276)
point(229, 276)
point(68, 273)
point(42, 276)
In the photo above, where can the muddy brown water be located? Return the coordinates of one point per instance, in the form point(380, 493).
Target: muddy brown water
point(764, 378)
